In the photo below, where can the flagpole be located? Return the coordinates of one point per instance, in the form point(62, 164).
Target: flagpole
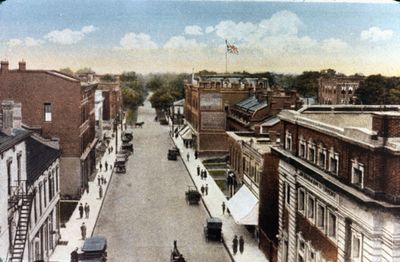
point(226, 56)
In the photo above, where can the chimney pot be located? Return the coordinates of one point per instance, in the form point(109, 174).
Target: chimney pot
point(22, 66)
point(4, 66)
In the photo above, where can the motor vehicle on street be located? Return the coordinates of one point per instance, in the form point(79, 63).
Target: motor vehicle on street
point(94, 250)
point(213, 229)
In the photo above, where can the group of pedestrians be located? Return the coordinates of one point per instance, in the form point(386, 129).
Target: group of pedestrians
point(202, 173)
point(105, 165)
point(82, 209)
point(204, 190)
point(101, 180)
point(235, 243)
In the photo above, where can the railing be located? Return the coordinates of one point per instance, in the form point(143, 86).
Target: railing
point(18, 191)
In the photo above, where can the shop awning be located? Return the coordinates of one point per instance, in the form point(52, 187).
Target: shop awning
point(244, 207)
point(187, 135)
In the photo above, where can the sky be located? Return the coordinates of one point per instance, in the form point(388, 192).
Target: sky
point(112, 36)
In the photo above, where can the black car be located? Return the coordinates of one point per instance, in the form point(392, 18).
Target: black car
point(213, 229)
point(94, 250)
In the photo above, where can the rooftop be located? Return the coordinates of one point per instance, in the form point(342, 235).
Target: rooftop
point(261, 144)
point(251, 104)
point(8, 141)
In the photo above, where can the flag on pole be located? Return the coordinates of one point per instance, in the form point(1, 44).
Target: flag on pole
point(231, 48)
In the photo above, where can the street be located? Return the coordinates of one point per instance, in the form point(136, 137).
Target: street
point(145, 209)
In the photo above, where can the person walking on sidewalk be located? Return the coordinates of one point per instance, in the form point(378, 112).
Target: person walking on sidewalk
point(87, 210)
point(206, 189)
point(223, 208)
point(196, 154)
point(74, 255)
point(235, 245)
point(201, 174)
point(187, 156)
point(101, 166)
point(100, 192)
point(99, 180)
point(80, 211)
point(205, 174)
point(241, 244)
point(83, 231)
point(202, 190)
point(198, 170)
point(106, 165)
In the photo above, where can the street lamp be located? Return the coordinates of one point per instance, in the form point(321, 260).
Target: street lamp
point(116, 122)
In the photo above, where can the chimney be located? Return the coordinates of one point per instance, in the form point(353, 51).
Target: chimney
point(22, 65)
point(4, 66)
point(10, 116)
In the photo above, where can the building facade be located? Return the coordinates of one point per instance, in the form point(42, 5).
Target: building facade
point(206, 104)
point(338, 89)
point(338, 184)
point(59, 107)
point(29, 181)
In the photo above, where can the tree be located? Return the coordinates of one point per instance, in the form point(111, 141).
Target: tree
point(67, 71)
point(154, 83)
point(108, 78)
point(307, 83)
point(85, 70)
point(128, 76)
point(379, 90)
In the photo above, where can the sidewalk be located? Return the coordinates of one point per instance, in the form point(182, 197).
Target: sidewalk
point(72, 231)
point(213, 202)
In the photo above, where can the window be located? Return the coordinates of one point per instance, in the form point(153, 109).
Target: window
point(44, 193)
point(288, 142)
point(357, 174)
point(322, 157)
point(40, 199)
point(331, 224)
point(320, 216)
point(356, 245)
point(301, 200)
point(334, 163)
point(9, 162)
point(57, 189)
point(287, 193)
point(51, 184)
point(19, 168)
point(47, 112)
point(311, 153)
point(310, 207)
point(302, 149)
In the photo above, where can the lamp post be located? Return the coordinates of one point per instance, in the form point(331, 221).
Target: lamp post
point(116, 122)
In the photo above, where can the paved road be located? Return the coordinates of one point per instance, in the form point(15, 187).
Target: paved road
point(145, 209)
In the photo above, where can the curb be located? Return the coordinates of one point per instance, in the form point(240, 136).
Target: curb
point(204, 204)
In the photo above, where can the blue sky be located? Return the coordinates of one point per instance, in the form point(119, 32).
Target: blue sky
point(175, 36)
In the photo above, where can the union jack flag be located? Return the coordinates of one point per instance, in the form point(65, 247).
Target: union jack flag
point(231, 48)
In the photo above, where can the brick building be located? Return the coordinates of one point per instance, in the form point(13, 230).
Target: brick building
point(339, 190)
point(60, 107)
point(258, 110)
point(338, 89)
point(112, 94)
point(206, 104)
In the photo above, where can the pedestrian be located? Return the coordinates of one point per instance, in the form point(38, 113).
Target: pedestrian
point(187, 156)
point(196, 154)
point(101, 166)
point(74, 255)
point(106, 165)
point(198, 170)
point(83, 231)
point(81, 210)
point(223, 208)
point(102, 180)
point(105, 181)
point(227, 211)
point(241, 244)
point(235, 245)
point(201, 174)
point(205, 174)
point(202, 190)
point(87, 210)
point(206, 189)
point(100, 191)
point(99, 180)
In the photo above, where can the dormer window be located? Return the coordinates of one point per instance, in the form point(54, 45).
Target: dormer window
point(334, 163)
point(322, 157)
point(288, 142)
point(302, 148)
point(311, 152)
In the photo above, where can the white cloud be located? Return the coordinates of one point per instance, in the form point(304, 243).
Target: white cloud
point(137, 41)
point(375, 34)
point(68, 36)
point(29, 41)
point(333, 44)
point(193, 30)
point(14, 42)
point(209, 29)
point(88, 29)
point(180, 42)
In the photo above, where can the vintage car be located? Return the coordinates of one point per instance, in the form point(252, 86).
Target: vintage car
point(127, 146)
point(94, 250)
point(127, 135)
point(192, 195)
point(213, 229)
point(173, 153)
point(120, 164)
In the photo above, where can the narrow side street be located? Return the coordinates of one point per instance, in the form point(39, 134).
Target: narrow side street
point(145, 209)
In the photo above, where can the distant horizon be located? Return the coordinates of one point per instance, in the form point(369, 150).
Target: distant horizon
point(286, 37)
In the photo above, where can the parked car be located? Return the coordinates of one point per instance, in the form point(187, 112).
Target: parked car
point(94, 250)
point(213, 229)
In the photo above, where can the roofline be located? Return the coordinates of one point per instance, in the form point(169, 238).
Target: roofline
point(14, 141)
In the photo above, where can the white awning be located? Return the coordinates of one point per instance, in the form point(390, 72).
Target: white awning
point(244, 207)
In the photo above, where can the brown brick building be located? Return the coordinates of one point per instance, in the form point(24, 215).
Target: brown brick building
point(57, 106)
point(338, 89)
point(206, 104)
point(339, 190)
